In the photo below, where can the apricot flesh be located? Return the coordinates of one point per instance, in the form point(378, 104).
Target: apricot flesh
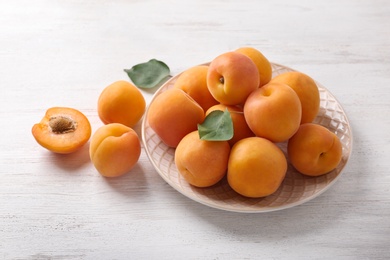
point(114, 149)
point(62, 130)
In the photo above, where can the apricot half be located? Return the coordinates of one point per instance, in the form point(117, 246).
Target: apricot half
point(114, 150)
point(62, 130)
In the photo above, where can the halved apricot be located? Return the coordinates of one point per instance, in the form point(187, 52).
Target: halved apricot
point(62, 130)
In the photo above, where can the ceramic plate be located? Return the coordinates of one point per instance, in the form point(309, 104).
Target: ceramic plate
point(295, 189)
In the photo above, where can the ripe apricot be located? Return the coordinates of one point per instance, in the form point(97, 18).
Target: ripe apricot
point(115, 149)
point(121, 102)
point(240, 126)
point(62, 130)
point(173, 114)
point(307, 91)
point(314, 150)
point(232, 76)
point(263, 65)
point(256, 167)
point(202, 163)
point(273, 112)
point(194, 82)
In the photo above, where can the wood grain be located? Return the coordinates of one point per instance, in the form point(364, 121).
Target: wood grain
point(63, 53)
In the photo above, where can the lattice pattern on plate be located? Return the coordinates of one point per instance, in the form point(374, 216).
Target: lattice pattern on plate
point(295, 189)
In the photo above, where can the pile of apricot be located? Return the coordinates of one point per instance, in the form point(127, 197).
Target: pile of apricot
point(265, 111)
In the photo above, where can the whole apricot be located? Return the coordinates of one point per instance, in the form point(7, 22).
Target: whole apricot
point(262, 63)
point(62, 130)
point(194, 82)
point(240, 126)
point(232, 76)
point(314, 150)
point(114, 149)
point(121, 102)
point(273, 112)
point(256, 167)
point(202, 163)
point(307, 91)
point(173, 114)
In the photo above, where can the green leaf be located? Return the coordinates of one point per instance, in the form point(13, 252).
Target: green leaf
point(217, 126)
point(148, 74)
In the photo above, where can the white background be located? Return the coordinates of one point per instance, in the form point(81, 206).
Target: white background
point(63, 53)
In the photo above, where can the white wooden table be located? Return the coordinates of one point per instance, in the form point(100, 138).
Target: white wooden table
point(63, 53)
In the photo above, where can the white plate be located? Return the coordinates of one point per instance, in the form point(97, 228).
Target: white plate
point(295, 189)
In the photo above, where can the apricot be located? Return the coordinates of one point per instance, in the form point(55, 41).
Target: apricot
point(314, 150)
point(121, 102)
point(262, 63)
point(194, 82)
point(114, 149)
point(273, 112)
point(240, 126)
point(62, 130)
point(202, 163)
point(307, 91)
point(173, 114)
point(232, 76)
point(256, 167)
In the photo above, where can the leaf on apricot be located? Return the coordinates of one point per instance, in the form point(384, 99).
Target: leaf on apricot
point(217, 126)
point(148, 74)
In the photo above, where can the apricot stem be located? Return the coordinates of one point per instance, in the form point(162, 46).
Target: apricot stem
point(222, 80)
point(62, 124)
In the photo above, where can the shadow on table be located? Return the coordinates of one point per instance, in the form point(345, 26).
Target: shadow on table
point(133, 184)
point(72, 161)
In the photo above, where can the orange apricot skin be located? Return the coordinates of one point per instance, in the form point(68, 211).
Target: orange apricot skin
point(194, 82)
point(231, 77)
point(263, 65)
point(62, 143)
point(314, 150)
point(273, 112)
point(307, 91)
point(201, 163)
point(173, 114)
point(256, 167)
point(114, 149)
point(121, 102)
